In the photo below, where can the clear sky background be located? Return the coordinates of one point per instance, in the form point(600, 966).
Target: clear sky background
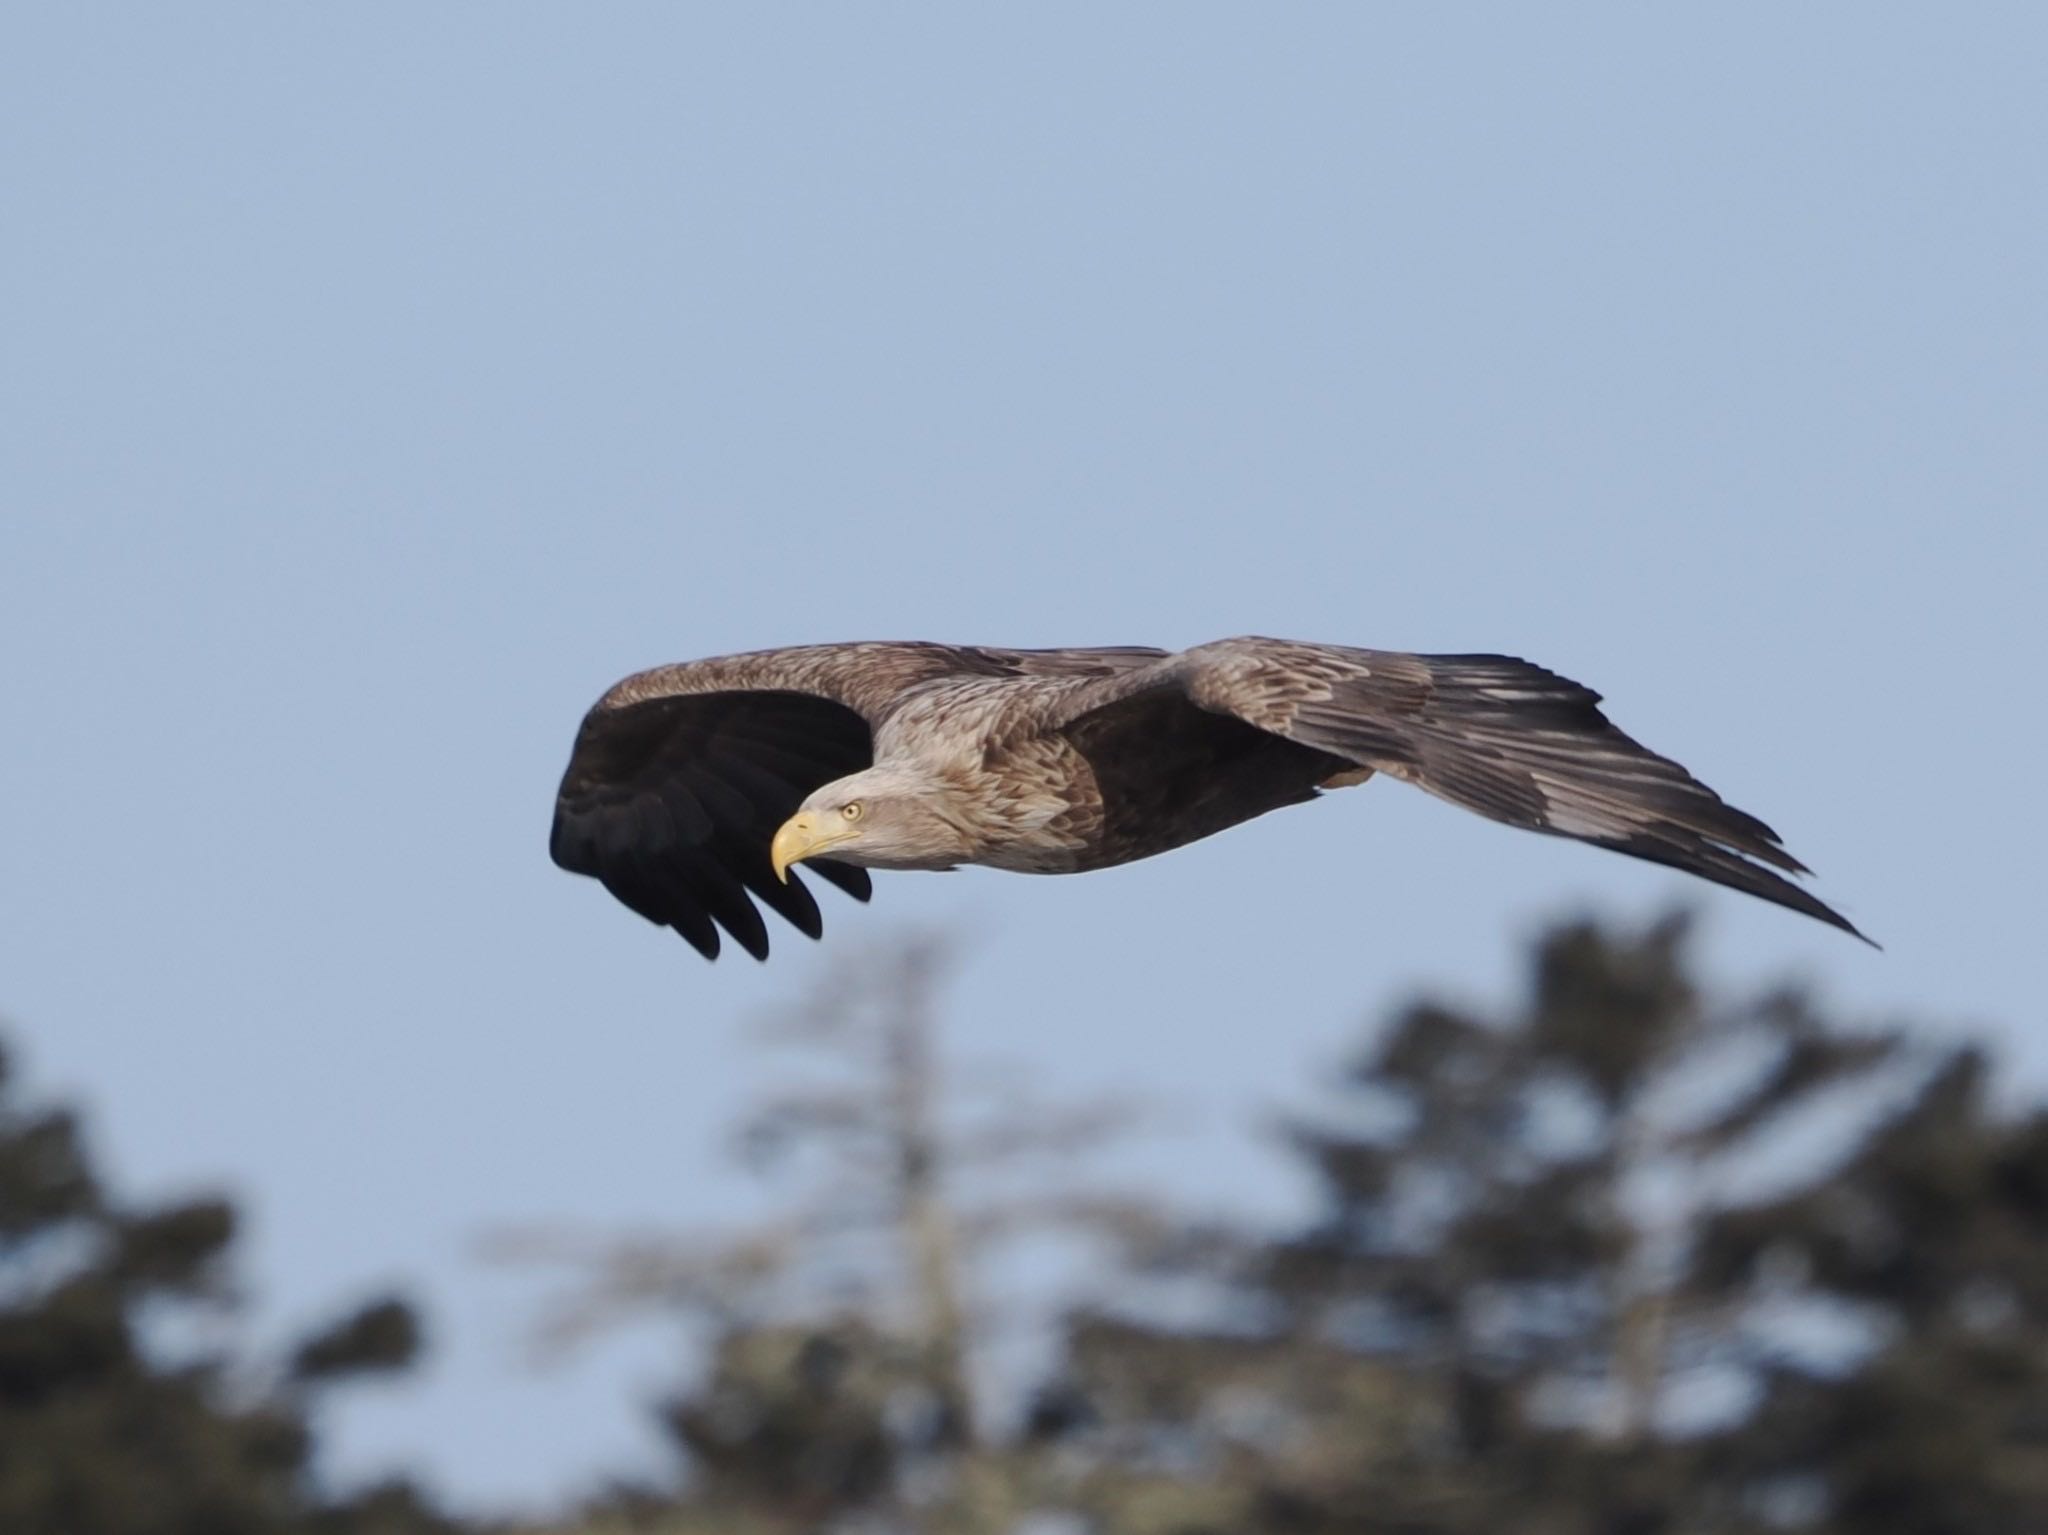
point(380, 382)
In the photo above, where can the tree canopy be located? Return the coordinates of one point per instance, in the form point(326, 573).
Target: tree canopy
point(107, 1428)
point(1630, 1253)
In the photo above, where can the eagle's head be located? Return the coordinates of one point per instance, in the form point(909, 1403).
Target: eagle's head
point(881, 818)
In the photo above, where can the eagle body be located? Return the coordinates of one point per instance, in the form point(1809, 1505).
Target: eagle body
point(1037, 797)
point(692, 789)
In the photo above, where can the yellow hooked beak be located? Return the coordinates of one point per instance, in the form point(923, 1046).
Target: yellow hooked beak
point(801, 837)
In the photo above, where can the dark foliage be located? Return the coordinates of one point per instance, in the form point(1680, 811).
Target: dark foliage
point(793, 1420)
point(102, 1434)
point(1566, 1280)
point(1624, 1257)
point(383, 1335)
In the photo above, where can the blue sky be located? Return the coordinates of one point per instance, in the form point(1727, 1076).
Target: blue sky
point(378, 383)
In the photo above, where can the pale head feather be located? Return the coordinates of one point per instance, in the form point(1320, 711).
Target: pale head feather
point(906, 819)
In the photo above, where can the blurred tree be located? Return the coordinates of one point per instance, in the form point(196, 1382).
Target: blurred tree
point(1622, 1258)
point(106, 1428)
point(1935, 1237)
point(1622, 1261)
point(844, 1333)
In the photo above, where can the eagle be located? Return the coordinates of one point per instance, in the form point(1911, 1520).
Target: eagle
point(694, 790)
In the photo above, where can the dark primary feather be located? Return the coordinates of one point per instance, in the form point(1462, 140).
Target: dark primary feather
point(671, 802)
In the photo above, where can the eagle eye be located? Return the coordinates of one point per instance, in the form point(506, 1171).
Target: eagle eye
point(851, 810)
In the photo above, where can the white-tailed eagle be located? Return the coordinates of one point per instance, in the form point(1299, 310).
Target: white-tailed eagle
point(693, 789)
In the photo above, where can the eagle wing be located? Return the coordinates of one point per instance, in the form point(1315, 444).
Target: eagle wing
point(680, 775)
point(1495, 734)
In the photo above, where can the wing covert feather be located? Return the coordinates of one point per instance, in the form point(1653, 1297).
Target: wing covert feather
point(1495, 734)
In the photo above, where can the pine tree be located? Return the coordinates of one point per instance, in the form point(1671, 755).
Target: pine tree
point(102, 1433)
point(845, 1329)
point(1582, 1268)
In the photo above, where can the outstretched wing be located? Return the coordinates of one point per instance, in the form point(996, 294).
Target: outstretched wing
point(1497, 735)
point(680, 775)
